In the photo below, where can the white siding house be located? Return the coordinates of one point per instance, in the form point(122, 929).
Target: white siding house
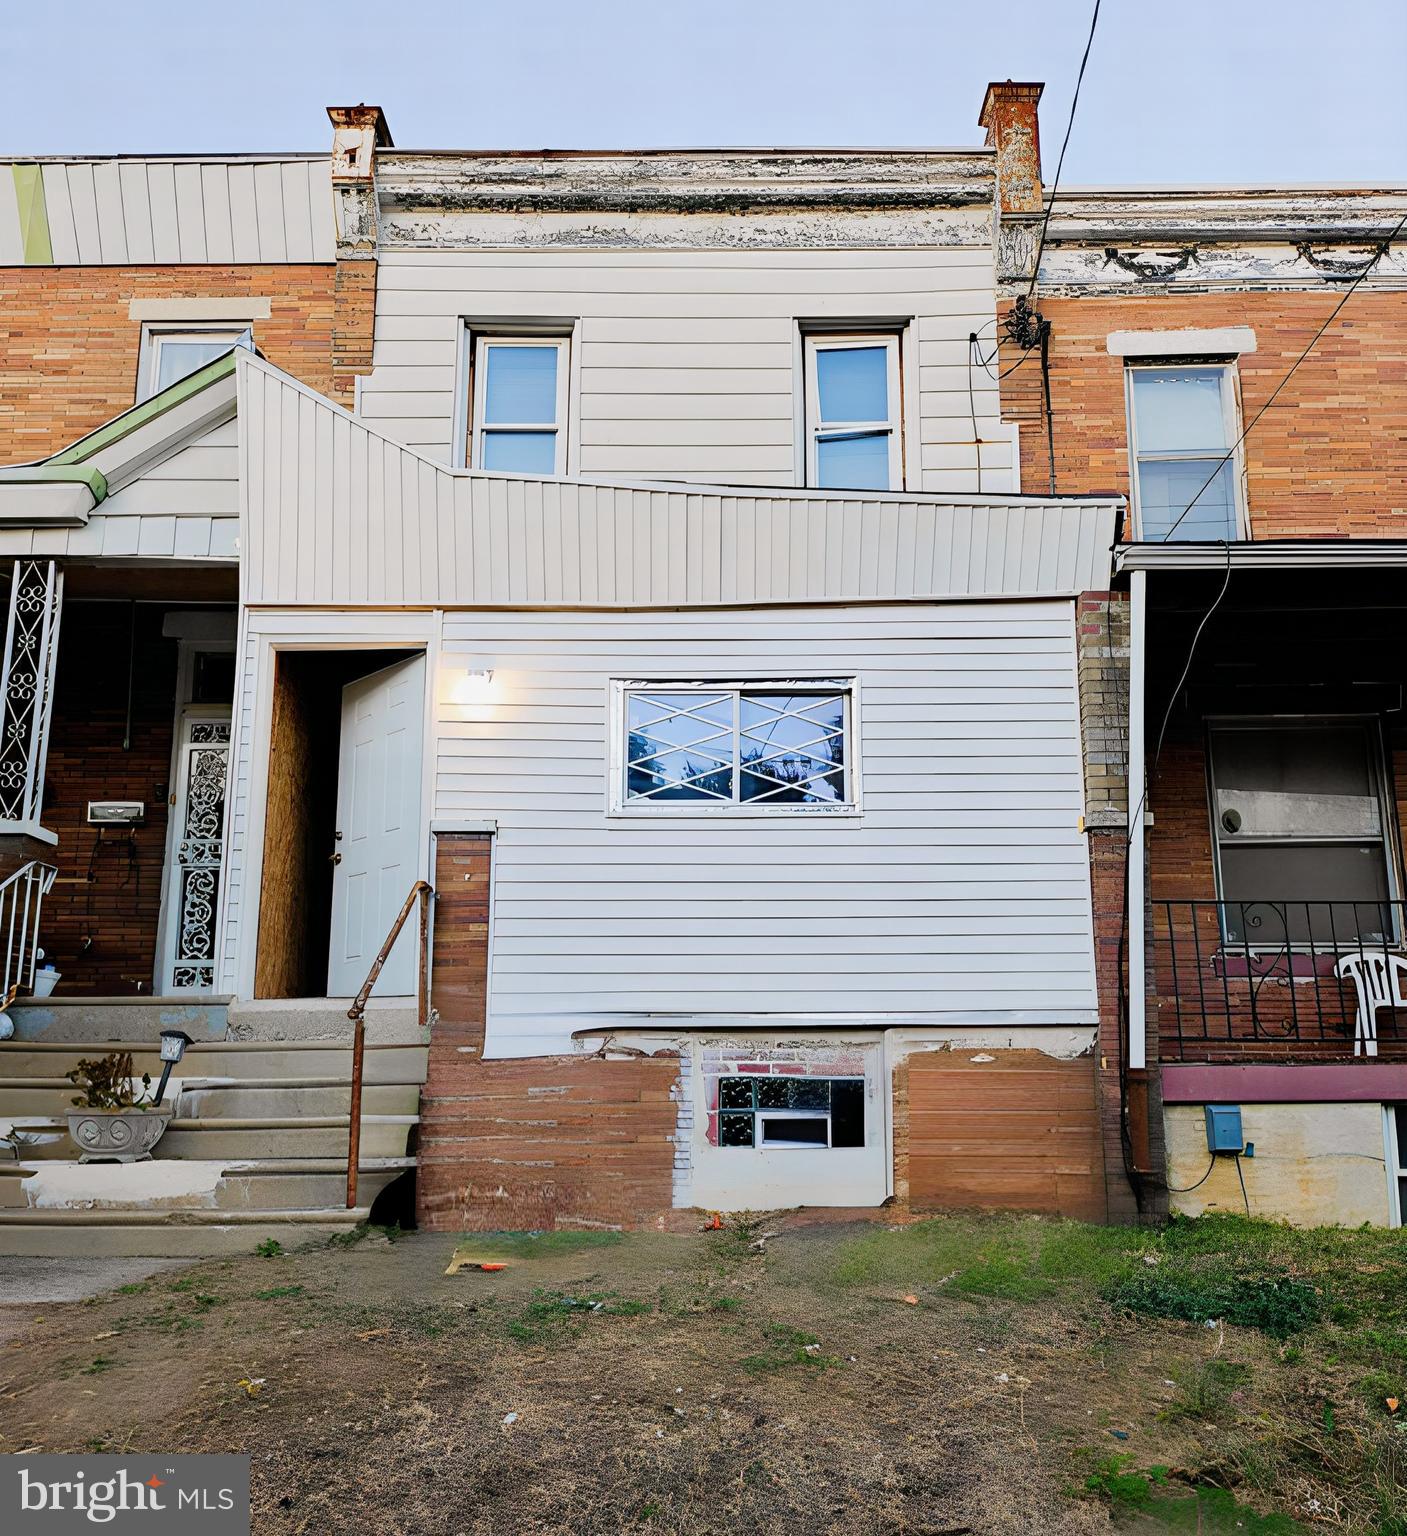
point(685, 286)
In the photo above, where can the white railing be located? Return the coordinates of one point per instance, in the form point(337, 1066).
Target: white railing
point(21, 899)
point(27, 686)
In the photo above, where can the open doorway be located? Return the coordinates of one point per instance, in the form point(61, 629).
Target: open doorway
point(342, 826)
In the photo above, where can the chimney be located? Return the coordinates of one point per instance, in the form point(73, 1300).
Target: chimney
point(1013, 130)
point(357, 133)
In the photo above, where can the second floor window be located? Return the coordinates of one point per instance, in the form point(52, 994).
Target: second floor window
point(1182, 425)
point(853, 413)
point(520, 405)
point(170, 353)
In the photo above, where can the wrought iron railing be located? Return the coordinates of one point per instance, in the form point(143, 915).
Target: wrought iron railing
point(21, 900)
point(1266, 980)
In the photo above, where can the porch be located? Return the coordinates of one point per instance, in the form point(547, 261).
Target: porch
point(1276, 749)
point(117, 696)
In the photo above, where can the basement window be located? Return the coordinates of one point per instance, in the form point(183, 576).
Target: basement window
point(171, 353)
point(743, 747)
point(520, 404)
point(796, 1113)
point(854, 438)
point(1186, 469)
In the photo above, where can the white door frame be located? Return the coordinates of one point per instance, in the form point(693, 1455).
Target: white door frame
point(263, 634)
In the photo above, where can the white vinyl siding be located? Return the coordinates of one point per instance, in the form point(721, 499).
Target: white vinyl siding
point(961, 894)
point(688, 362)
point(409, 530)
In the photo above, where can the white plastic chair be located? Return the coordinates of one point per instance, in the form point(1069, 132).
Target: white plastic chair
point(1377, 978)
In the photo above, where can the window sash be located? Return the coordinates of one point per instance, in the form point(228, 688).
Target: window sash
point(759, 1114)
point(481, 428)
point(726, 744)
point(156, 338)
point(819, 430)
point(1212, 453)
point(1317, 916)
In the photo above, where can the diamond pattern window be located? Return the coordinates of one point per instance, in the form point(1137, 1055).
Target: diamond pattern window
point(753, 746)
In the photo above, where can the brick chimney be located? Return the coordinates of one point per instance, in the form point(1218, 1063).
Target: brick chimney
point(357, 133)
point(1013, 130)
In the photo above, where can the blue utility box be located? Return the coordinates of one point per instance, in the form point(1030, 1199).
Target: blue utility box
point(1224, 1128)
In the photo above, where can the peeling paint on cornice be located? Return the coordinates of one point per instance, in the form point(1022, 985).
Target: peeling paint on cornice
point(723, 183)
point(815, 230)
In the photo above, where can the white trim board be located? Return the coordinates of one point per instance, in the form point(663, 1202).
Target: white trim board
point(1228, 341)
point(208, 310)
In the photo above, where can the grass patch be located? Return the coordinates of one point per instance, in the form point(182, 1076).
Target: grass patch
point(138, 1288)
point(1277, 1306)
point(278, 1292)
point(552, 1315)
point(1114, 1480)
point(1204, 1391)
point(101, 1364)
point(785, 1347)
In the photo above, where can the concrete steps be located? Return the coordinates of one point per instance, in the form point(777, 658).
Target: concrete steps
point(258, 1139)
point(98, 1021)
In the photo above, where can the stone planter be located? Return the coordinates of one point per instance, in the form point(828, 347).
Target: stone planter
point(116, 1135)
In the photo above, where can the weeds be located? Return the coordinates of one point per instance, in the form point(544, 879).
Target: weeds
point(1205, 1389)
point(278, 1292)
point(270, 1248)
point(551, 1314)
point(1277, 1306)
point(786, 1346)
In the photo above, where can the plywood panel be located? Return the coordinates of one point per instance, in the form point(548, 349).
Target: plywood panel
point(998, 1130)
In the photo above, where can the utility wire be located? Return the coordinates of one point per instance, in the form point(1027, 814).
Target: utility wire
point(1059, 164)
point(1382, 250)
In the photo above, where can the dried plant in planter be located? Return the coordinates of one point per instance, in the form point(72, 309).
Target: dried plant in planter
point(106, 1082)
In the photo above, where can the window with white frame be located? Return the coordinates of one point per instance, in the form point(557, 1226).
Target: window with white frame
point(519, 419)
point(1182, 432)
point(740, 746)
point(796, 1113)
point(854, 412)
point(1300, 823)
point(170, 353)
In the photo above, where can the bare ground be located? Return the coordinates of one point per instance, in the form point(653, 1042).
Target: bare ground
point(654, 1384)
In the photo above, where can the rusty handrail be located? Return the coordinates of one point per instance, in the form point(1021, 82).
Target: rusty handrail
point(421, 891)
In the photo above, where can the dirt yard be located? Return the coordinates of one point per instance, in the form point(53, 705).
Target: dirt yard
point(961, 1375)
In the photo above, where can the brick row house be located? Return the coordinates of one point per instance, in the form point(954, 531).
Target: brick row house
point(1246, 667)
point(645, 552)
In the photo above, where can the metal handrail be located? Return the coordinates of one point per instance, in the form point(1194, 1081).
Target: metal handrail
point(421, 891)
point(21, 900)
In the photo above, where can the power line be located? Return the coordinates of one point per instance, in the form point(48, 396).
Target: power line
point(1221, 463)
point(1059, 164)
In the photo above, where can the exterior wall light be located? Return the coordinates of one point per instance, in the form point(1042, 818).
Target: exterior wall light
point(473, 687)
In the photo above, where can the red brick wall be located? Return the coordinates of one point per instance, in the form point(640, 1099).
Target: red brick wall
point(68, 351)
point(109, 885)
point(1328, 458)
point(534, 1143)
point(353, 326)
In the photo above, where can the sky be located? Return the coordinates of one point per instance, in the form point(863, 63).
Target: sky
point(1202, 91)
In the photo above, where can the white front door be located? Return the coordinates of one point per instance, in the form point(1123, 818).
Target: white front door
point(376, 857)
point(194, 852)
